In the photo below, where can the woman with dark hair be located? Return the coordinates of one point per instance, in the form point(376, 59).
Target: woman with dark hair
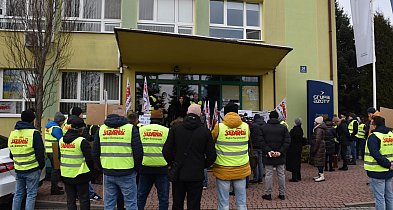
point(294, 153)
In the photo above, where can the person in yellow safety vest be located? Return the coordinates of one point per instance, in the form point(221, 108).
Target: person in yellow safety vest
point(74, 112)
point(232, 163)
point(282, 122)
point(76, 164)
point(195, 100)
point(53, 134)
point(28, 152)
point(154, 168)
point(118, 151)
point(361, 139)
point(378, 163)
point(154, 102)
point(353, 130)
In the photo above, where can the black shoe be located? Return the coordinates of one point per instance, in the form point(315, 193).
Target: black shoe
point(59, 188)
point(343, 168)
point(332, 169)
point(267, 197)
point(232, 193)
point(253, 181)
point(352, 163)
point(259, 180)
point(325, 169)
point(56, 192)
point(293, 180)
point(282, 197)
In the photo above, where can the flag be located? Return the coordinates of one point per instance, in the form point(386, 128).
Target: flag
point(128, 96)
point(391, 2)
point(206, 110)
point(362, 18)
point(146, 102)
point(282, 109)
point(216, 115)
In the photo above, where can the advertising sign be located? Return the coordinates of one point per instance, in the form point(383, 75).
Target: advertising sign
point(319, 102)
point(8, 107)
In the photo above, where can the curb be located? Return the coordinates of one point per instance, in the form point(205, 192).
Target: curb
point(41, 204)
point(360, 204)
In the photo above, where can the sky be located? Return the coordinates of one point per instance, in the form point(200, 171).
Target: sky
point(383, 6)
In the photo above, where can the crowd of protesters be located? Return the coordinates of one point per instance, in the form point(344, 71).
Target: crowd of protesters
point(133, 157)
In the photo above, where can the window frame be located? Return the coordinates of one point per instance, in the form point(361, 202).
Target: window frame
point(24, 99)
point(176, 24)
point(79, 84)
point(245, 27)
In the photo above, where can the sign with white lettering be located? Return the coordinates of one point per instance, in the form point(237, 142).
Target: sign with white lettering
point(144, 119)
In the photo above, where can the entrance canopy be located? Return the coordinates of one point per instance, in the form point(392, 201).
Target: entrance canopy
point(139, 47)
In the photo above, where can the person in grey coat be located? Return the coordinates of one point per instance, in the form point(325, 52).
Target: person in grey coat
point(318, 150)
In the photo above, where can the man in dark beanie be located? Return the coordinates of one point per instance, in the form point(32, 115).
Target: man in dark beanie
point(53, 134)
point(255, 137)
point(275, 143)
point(28, 152)
point(232, 163)
point(74, 112)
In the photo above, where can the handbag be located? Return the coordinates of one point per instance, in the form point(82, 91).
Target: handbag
point(174, 170)
point(252, 157)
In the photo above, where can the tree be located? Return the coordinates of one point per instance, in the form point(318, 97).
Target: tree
point(38, 42)
point(355, 84)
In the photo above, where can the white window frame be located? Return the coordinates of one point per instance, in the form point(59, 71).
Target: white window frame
point(176, 23)
point(79, 83)
point(103, 21)
point(23, 99)
point(244, 27)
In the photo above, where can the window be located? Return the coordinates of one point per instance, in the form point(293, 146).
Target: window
point(234, 19)
point(80, 88)
point(175, 16)
point(13, 94)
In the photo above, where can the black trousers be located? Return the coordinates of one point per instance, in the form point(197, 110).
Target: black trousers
point(55, 174)
point(343, 152)
point(193, 190)
point(329, 162)
point(82, 190)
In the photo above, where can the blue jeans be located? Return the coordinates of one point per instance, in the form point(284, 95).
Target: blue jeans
point(91, 190)
point(353, 151)
point(223, 193)
point(125, 185)
point(146, 182)
point(26, 183)
point(206, 177)
point(258, 171)
point(383, 194)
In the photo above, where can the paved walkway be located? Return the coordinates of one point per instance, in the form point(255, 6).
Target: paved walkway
point(340, 189)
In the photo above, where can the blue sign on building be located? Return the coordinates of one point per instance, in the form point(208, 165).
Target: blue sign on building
point(319, 102)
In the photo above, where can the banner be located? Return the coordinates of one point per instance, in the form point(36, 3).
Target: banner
point(128, 96)
point(8, 107)
point(146, 102)
point(362, 18)
point(206, 110)
point(282, 109)
point(391, 2)
point(319, 102)
point(216, 115)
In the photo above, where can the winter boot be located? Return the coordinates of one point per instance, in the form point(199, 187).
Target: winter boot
point(316, 177)
point(321, 178)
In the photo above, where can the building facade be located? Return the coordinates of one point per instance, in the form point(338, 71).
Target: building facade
point(251, 66)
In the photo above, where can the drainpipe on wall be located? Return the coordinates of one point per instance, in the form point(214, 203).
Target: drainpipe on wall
point(274, 88)
point(330, 38)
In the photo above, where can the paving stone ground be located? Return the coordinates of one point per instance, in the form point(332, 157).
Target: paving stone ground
point(339, 189)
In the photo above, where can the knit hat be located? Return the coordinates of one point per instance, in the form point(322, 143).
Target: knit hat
point(273, 114)
point(319, 120)
point(59, 117)
point(231, 107)
point(194, 109)
point(76, 111)
point(371, 110)
point(77, 122)
point(28, 116)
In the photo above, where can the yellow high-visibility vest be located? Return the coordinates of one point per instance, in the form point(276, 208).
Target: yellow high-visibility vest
point(20, 143)
point(386, 149)
point(115, 144)
point(284, 123)
point(350, 127)
point(73, 162)
point(153, 138)
point(49, 139)
point(361, 132)
point(232, 145)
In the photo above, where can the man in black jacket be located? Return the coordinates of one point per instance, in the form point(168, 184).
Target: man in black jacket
point(275, 143)
point(118, 151)
point(201, 155)
point(28, 152)
point(256, 138)
point(344, 139)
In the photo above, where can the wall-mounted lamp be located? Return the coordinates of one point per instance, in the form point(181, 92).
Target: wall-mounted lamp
point(176, 69)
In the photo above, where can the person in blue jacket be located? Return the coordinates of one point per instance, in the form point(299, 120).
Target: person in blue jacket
point(53, 134)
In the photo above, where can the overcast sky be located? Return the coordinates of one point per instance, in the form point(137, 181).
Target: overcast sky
point(383, 6)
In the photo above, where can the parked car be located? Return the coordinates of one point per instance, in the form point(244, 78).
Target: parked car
point(7, 173)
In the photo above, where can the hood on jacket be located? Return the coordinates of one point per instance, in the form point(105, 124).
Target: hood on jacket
point(260, 121)
point(51, 124)
point(71, 135)
point(24, 125)
point(192, 121)
point(382, 129)
point(232, 120)
point(329, 123)
point(273, 121)
point(115, 121)
point(322, 125)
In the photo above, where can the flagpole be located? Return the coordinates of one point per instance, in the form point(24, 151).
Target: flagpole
point(374, 60)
